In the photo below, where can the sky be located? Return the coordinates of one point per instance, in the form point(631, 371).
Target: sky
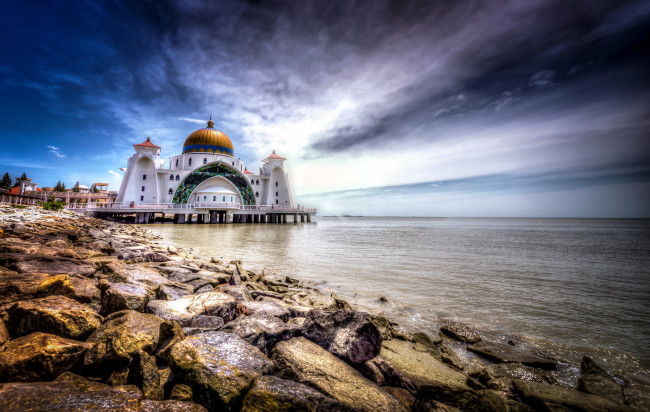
point(391, 108)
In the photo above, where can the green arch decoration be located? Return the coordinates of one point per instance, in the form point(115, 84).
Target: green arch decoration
point(203, 173)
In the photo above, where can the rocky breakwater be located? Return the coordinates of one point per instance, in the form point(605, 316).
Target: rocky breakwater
point(97, 315)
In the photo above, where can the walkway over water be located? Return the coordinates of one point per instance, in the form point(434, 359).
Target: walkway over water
point(206, 212)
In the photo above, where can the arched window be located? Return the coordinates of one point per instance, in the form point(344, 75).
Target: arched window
point(171, 177)
point(233, 163)
point(276, 201)
point(276, 193)
point(257, 182)
point(276, 184)
point(190, 161)
point(205, 160)
point(176, 162)
point(257, 194)
point(170, 191)
point(178, 177)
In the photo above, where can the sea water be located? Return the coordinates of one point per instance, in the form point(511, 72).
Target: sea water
point(572, 286)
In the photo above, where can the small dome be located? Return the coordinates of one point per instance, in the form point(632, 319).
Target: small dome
point(208, 140)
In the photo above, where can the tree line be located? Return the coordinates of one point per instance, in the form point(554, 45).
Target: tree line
point(5, 183)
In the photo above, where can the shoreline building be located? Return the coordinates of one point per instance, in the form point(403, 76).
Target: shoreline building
point(206, 175)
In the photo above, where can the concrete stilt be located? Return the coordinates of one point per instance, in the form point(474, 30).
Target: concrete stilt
point(284, 218)
point(308, 218)
point(214, 218)
point(179, 218)
point(295, 218)
point(229, 217)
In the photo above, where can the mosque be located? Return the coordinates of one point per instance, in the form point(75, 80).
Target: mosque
point(207, 176)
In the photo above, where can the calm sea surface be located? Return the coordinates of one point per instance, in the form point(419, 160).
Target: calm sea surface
point(573, 286)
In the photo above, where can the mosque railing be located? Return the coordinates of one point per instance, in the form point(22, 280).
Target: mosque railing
point(98, 206)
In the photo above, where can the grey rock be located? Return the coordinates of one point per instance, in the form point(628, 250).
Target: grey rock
point(538, 394)
point(266, 308)
point(346, 333)
point(262, 331)
point(183, 309)
point(53, 265)
point(173, 291)
point(219, 367)
point(597, 381)
point(171, 406)
point(240, 293)
point(303, 361)
point(143, 373)
point(207, 322)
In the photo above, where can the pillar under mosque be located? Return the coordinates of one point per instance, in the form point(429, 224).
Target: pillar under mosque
point(179, 218)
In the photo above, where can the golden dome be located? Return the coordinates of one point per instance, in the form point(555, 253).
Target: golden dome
point(208, 140)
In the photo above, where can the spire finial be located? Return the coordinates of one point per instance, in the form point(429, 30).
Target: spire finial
point(148, 139)
point(210, 123)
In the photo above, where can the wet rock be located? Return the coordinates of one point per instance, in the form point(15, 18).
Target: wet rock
point(16, 287)
point(204, 288)
point(182, 310)
point(386, 327)
point(451, 355)
point(270, 393)
point(371, 372)
point(58, 315)
point(261, 331)
point(68, 396)
point(401, 394)
point(181, 392)
point(171, 406)
point(461, 332)
point(53, 265)
point(218, 366)
point(510, 353)
point(306, 362)
point(124, 296)
point(346, 333)
point(173, 291)
point(155, 257)
point(499, 376)
point(77, 287)
point(39, 356)
point(143, 373)
point(597, 381)
point(475, 367)
point(405, 365)
point(120, 337)
point(538, 394)
point(637, 395)
point(240, 293)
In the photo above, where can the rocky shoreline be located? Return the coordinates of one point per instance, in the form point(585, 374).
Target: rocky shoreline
point(98, 315)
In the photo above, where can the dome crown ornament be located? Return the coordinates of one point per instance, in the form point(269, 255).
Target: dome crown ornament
point(208, 140)
point(210, 123)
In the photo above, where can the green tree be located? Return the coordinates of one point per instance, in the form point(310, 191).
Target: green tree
point(93, 189)
point(58, 187)
point(6, 181)
point(76, 187)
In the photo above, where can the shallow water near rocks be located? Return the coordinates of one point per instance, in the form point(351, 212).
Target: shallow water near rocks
point(569, 286)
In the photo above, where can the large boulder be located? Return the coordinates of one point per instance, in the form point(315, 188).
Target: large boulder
point(40, 356)
point(183, 309)
point(58, 315)
point(346, 333)
point(146, 277)
point(121, 336)
point(266, 308)
point(238, 292)
point(499, 376)
point(69, 395)
point(270, 393)
point(303, 361)
point(54, 265)
point(173, 291)
point(262, 331)
point(510, 353)
point(597, 381)
point(124, 296)
point(219, 367)
point(75, 287)
point(539, 395)
point(411, 366)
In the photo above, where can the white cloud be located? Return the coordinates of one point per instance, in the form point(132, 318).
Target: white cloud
point(56, 151)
